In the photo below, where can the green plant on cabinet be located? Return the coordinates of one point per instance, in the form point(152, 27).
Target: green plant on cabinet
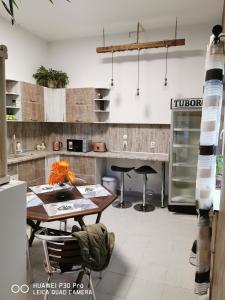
point(51, 78)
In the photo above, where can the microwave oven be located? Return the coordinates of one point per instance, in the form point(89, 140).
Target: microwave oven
point(79, 145)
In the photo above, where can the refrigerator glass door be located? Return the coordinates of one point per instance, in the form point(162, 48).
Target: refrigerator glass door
point(185, 148)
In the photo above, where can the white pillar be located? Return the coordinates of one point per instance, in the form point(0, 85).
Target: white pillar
point(4, 178)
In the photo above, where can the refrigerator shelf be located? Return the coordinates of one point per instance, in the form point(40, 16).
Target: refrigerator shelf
point(185, 146)
point(184, 179)
point(185, 165)
point(183, 199)
point(187, 129)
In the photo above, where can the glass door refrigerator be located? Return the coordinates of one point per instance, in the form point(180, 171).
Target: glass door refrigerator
point(184, 149)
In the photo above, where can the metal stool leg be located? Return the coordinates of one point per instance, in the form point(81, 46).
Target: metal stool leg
point(63, 222)
point(144, 207)
point(122, 203)
point(30, 271)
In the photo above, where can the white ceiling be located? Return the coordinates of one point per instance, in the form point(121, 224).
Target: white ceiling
point(82, 18)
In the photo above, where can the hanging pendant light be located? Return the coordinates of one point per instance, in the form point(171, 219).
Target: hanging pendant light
point(112, 80)
point(138, 74)
point(165, 79)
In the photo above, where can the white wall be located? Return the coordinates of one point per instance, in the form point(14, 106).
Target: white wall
point(185, 72)
point(26, 52)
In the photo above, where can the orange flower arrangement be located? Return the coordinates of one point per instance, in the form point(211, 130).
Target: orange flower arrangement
point(60, 173)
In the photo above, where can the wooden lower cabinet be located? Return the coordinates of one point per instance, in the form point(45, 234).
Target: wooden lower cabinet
point(36, 171)
point(89, 169)
point(33, 171)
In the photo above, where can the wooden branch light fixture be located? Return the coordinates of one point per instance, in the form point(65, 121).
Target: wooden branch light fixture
point(141, 46)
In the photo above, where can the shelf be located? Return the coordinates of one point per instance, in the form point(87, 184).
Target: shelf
point(184, 179)
point(11, 80)
point(186, 165)
point(187, 129)
point(183, 199)
point(185, 146)
point(101, 111)
point(12, 94)
point(14, 107)
point(101, 99)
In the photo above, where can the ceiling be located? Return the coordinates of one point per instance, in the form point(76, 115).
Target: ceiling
point(84, 18)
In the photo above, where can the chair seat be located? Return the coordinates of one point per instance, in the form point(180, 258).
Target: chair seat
point(121, 169)
point(145, 170)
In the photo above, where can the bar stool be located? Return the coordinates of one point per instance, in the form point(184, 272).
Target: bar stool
point(122, 203)
point(144, 207)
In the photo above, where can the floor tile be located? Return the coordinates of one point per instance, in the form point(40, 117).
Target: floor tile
point(145, 290)
point(114, 284)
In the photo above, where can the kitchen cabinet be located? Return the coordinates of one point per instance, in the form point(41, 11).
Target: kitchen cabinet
point(89, 169)
point(80, 105)
point(48, 165)
point(54, 105)
point(32, 102)
point(33, 171)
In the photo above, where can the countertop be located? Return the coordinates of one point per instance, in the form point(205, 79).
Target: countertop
point(31, 155)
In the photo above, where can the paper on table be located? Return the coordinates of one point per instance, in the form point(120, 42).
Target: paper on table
point(70, 206)
point(33, 200)
point(44, 188)
point(96, 190)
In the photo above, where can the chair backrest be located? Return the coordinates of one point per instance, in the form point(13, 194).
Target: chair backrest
point(61, 250)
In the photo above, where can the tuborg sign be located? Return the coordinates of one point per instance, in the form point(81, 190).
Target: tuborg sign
point(186, 103)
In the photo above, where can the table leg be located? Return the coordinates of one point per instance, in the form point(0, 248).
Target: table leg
point(35, 227)
point(81, 222)
point(98, 217)
point(163, 185)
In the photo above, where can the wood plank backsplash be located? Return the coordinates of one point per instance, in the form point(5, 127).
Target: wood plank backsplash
point(139, 137)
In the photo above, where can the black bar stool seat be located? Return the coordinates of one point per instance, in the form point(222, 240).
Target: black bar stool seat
point(122, 203)
point(144, 207)
point(121, 169)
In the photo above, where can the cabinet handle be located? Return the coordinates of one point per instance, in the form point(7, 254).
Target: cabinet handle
point(33, 100)
point(33, 119)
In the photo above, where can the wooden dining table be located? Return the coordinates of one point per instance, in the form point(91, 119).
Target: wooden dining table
point(37, 214)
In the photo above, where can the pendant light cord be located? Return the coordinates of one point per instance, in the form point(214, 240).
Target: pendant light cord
point(165, 79)
point(112, 80)
point(138, 77)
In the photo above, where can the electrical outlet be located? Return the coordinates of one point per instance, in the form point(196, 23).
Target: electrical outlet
point(14, 177)
point(124, 145)
point(152, 145)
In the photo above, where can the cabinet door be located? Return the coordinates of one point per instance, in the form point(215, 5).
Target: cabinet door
point(54, 103)
point(48, 165)
point(80, 105)
point(32, 102)
point(33, 172)
point(83, 167)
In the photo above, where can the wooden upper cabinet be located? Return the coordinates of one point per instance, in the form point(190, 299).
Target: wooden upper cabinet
point(80, 105)
point(32, 102)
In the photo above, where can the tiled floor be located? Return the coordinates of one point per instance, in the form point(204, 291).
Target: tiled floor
point(150, 259)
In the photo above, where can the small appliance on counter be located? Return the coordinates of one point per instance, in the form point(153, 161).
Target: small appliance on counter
point(79, 145)
point(57, 145)
point(99, 147)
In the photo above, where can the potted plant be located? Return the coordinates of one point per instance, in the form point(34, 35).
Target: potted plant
point(42, 76)
point(51, 78)
point(62, 79)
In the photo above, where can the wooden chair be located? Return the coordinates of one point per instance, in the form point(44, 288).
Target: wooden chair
point(62, 255)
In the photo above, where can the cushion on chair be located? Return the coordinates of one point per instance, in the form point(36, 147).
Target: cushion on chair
point(121, 169)
point(145, 170)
